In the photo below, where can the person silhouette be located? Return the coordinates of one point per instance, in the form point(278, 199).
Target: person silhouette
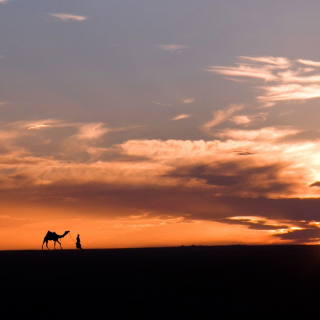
point(78, 244)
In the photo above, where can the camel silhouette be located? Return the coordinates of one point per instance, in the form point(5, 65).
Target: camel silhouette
point(54, 237)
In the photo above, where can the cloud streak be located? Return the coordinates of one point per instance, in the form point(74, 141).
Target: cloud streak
point(68, 17)
point(172, 47)
point(188, 101)
point(181, 116)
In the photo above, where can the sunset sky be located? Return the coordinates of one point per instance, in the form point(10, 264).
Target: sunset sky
point(140, 123)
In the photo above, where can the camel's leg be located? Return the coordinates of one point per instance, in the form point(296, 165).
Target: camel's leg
point(44, 240)
point(60, 244)
point(54, 245)
point(47, 244)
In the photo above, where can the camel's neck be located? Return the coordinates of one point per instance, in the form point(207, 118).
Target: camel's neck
point(61, 236)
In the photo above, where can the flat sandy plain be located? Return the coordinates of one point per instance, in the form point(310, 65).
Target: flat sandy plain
point(174, 281)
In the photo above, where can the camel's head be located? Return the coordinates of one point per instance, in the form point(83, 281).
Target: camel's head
point(66, 233)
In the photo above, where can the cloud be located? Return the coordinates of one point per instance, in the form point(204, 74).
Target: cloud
point(187, 101)
point(92, 131)
point(220, 116)
point(284, 79)
point(309, 62)
point(262, 173)
point(298, 77)
point(39, 126)
point(307, 235)
point(181, 116)
point(290, 92)
point(68, 17)
point(244, 71)
point(172, 47)
point(246, 119)
point(262, 223)
point(241, 119)
point(278, 62)
point(315, 184)
point(163, 104)
point(251, 174)
point(3, 1)
point(263, 134)
point(301, 231)
point(184, 101)
point(85, 130)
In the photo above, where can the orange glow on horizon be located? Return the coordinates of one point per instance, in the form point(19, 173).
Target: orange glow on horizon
point(130, 232)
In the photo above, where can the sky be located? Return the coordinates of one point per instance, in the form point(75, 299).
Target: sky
point(152, 123)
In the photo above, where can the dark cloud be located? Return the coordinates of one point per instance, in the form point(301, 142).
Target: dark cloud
point(19, 177)
point(315, 184)
point(244, 153)
point(256, 224)
point(211, 179)
point(259, 180)
point(300, 236)
point(195, 203)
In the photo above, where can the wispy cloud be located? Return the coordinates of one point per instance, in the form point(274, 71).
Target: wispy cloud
point(220, 116)
point(244, 71)
point(187, 101)
point(290, 92)
point(264, 134)
point(3, 1)
point(162, 104)
point(273, 62)
point(181, 116)
point(42, 124)
point(309, 62)
point(92, 131)
point(177, 103)
point(172, 47)
point(68, 17)
point(39, 126)
point(284, 79)
point(246, 119)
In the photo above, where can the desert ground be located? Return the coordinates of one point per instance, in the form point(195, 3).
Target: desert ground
point(236, 279)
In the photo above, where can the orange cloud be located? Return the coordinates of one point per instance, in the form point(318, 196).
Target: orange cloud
point(173, 181)
point(159, 163)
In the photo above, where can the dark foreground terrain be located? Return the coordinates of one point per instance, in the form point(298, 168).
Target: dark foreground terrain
point(238, 280)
